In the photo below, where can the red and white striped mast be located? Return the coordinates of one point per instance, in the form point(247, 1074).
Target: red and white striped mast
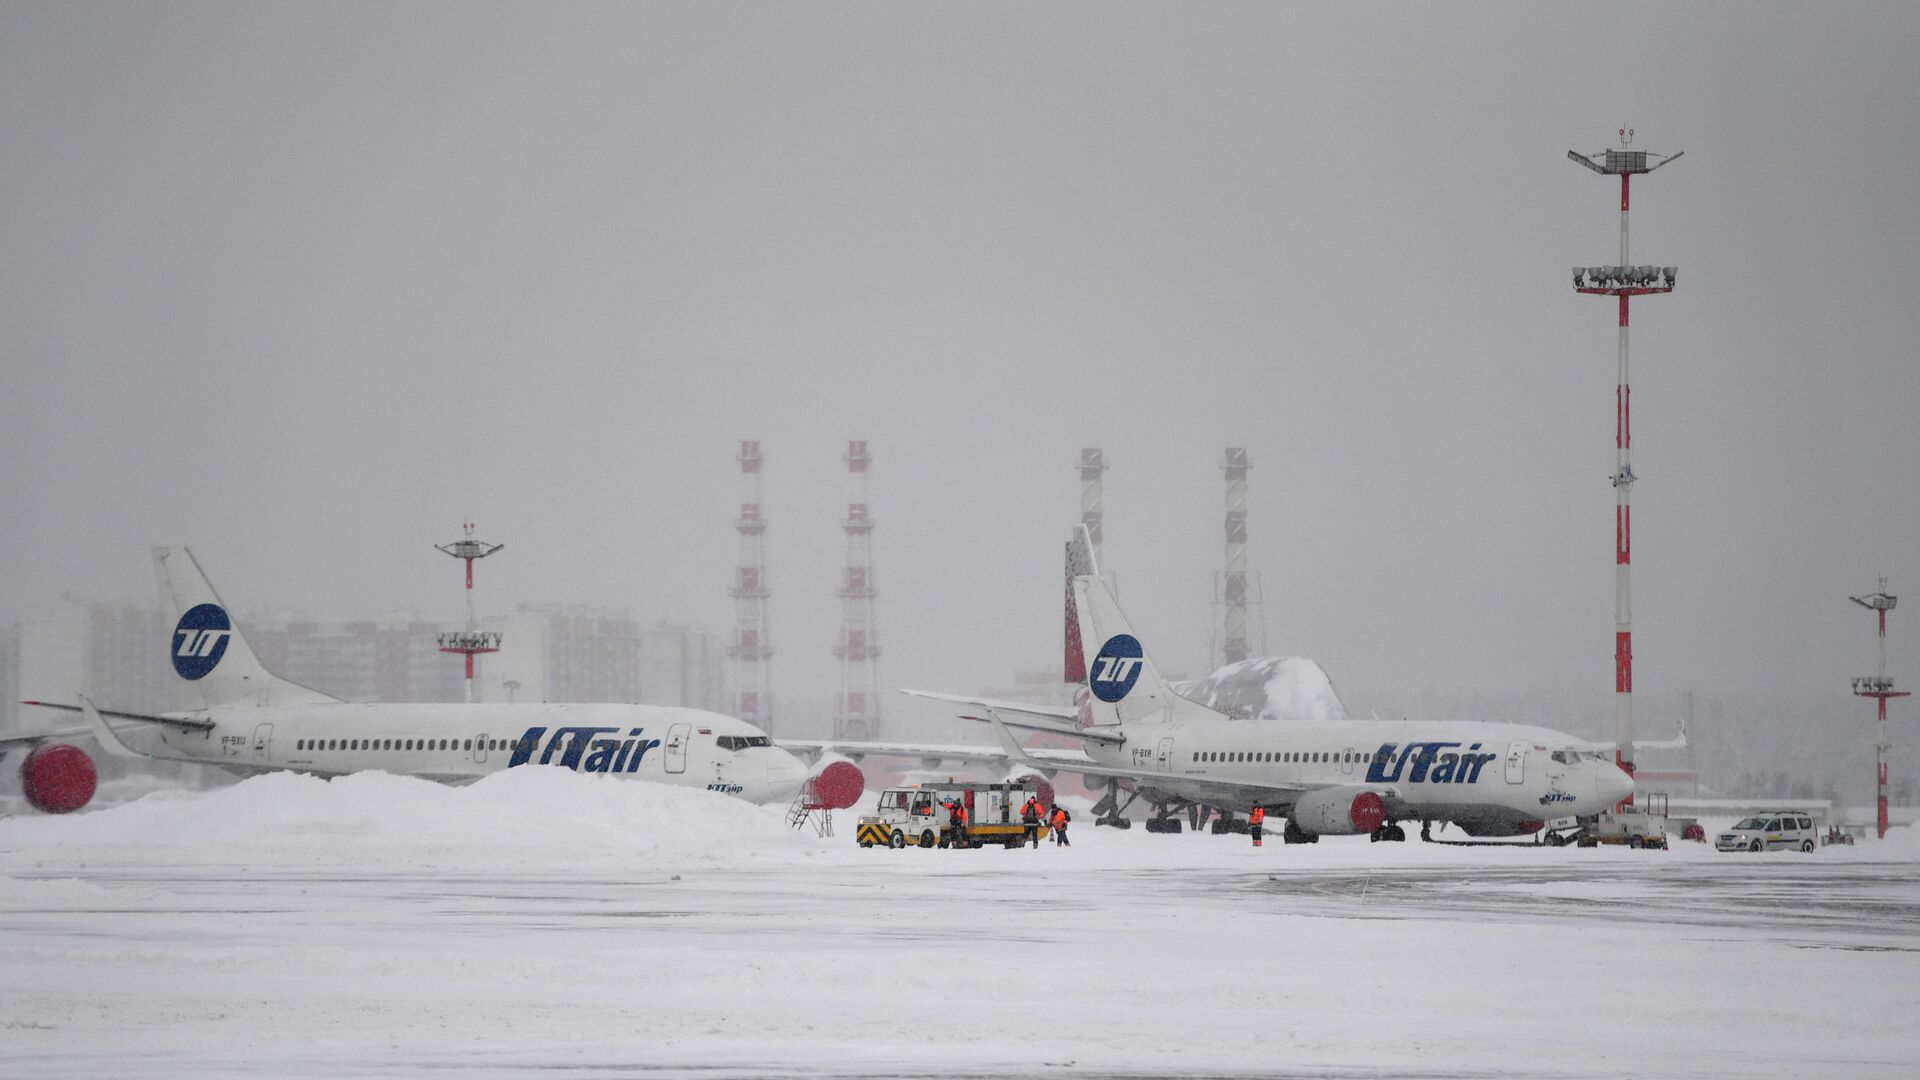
point(469, 642)
point(859, 646)
point(1624, 281)
point(1234, 639)
point(1880, 688)
point(752, 647)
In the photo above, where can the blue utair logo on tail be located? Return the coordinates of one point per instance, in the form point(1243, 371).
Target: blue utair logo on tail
point(1117, 667)
point(200, 640)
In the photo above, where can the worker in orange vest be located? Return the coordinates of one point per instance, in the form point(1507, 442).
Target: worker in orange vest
point(1030, 821)
point(1060, 819)
point(957, 818)
point(1255, 818)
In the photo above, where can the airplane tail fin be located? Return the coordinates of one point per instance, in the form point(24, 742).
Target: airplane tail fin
point(207, 649)
point(1123, 682)
point(1079, 564)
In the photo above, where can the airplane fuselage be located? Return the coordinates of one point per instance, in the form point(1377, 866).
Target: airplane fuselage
point(685, 747)
point(1476, 774)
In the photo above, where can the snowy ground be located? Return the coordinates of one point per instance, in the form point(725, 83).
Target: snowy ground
point(539, 921)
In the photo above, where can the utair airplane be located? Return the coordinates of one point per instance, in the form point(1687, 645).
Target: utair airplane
point(1328, 778)
point(253, 721)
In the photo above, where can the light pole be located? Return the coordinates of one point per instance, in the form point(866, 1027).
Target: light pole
point(469, 642)
point(1880, 688)
point(1624, 281)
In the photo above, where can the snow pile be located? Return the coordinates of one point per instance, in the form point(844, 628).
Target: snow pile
point(528, 816)
point(1269, 688)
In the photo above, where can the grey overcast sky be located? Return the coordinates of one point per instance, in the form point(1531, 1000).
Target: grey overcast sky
point(304, 286)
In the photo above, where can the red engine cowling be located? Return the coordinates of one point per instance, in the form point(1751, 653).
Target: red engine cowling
point(57, 778)
point(1340, 811)
point(838, 784)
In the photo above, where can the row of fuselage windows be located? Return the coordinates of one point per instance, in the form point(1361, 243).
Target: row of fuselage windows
point(462, 745)
point(1307, 757)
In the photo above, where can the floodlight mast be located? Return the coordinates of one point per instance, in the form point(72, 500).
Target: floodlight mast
point(1880, 688)
point(1624, 281)
point(470, 642)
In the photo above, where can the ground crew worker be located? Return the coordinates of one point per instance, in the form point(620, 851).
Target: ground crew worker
point(957, 819)
point(1254, 819)
point(1030, 818)
point(1060, 819)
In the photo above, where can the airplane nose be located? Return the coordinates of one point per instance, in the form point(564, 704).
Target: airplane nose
point(1614, 784)
point(785, 773)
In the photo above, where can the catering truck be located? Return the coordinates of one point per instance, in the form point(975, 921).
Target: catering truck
point(917, 815)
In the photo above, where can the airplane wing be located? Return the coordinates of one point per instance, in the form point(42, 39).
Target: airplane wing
point(989, 755)
point(1055, 719)
point(1678, 742)
point(11, 742)
point(182, 722)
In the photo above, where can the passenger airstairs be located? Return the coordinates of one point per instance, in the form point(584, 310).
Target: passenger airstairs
point(808, 807)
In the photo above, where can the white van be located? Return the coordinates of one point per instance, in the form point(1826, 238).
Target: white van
point(1770, 830)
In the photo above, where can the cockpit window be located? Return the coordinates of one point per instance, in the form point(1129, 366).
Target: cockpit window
point(742, 742)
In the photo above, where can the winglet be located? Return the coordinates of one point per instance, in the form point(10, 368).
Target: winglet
point(109, 741)
point(1015, 752)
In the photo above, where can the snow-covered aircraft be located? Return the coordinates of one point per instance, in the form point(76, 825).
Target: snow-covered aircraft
point(1328, 777)
point(253, 721)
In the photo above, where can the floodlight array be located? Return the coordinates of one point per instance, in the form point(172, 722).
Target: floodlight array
point(1624, 277)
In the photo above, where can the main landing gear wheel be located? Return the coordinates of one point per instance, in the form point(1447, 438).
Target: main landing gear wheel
point(1388, 832)
point(897, 840)
point(1293, 834)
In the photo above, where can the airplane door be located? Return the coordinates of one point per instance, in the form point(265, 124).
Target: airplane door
point(1516, 762)
point(677, 747)
point(262, 742)
point(480, 748)
point(1165, 755)
point(1347, 758)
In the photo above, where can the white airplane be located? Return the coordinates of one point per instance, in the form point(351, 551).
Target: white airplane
point(1339, 777)
point(253, 721)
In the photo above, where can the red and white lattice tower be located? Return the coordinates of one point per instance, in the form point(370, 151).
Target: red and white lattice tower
point(1234, 583)
point(1624, 281)
point(1880, 688)
point(469, 642)
point(752, 647)
point(859, 647)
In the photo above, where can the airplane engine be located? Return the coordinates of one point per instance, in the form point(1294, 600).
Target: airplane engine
point(1041, 786)
point(1340, 811)
point(837, 782)
point(58, 778)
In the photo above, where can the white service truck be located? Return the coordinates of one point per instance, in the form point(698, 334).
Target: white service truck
point(917, 816)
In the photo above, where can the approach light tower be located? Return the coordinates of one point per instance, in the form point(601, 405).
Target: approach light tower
point(469, 642)
point(1625, 281)
point(1880, 688)
point(752, 646)
point(859, 647)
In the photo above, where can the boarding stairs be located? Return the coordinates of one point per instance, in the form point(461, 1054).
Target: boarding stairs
point(807, 808)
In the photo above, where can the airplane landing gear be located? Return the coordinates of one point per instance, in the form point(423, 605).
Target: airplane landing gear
point(1293, 834)
point(1163, 821)
point(1388, 832)
point(1109, 810)
point(1228, 823)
